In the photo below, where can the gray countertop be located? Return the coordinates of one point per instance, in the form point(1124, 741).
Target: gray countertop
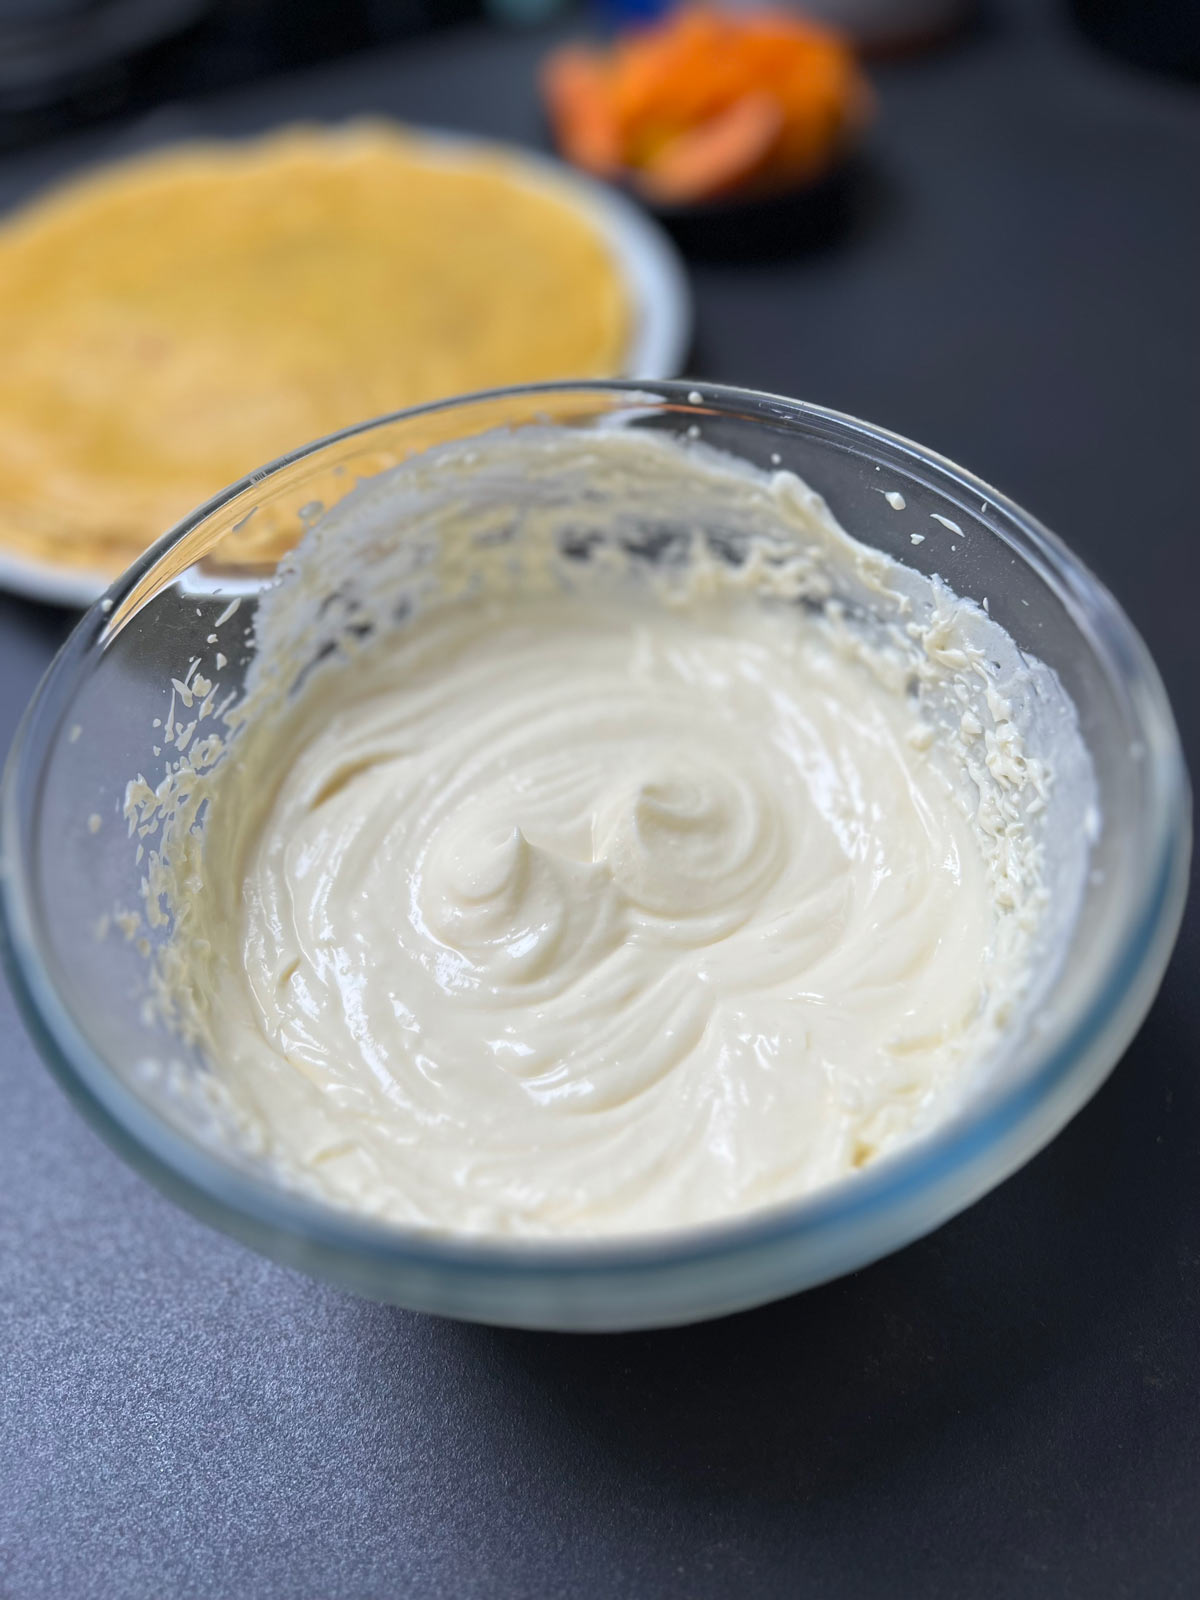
point(1009, 1407)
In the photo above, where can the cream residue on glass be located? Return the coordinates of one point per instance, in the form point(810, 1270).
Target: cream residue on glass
point(604, 842)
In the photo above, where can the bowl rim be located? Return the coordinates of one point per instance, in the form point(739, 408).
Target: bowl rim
point(1110, 1009)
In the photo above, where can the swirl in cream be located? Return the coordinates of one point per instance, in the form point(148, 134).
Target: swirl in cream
point(586, 914)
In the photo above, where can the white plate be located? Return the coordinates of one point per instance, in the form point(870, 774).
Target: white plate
point(654, 275)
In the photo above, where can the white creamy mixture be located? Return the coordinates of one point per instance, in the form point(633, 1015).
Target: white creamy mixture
point(593, 885)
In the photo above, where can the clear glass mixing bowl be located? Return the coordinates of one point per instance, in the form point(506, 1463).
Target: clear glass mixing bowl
point(90, 728)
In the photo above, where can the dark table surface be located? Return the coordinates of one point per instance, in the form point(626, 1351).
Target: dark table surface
point(1010, 1407)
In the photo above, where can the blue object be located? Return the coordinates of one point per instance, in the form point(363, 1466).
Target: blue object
point(621, 11)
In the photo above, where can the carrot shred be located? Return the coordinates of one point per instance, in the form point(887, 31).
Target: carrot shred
point(706, 101)
point(716, 155)
point(576, 90)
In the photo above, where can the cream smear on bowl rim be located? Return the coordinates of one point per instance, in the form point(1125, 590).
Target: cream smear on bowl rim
point(604, 842)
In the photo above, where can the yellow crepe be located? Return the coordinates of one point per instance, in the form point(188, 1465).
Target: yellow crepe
point(171, 323)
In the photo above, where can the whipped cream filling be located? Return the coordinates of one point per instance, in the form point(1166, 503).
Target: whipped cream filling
point(604, 842)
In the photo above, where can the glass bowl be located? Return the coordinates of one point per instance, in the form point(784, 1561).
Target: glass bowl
point(89, 729)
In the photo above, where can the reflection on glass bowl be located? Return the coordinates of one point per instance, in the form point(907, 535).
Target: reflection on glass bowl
point(90, 726)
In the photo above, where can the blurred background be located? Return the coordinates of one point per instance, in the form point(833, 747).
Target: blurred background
point(66, 61)
point(992, 251)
